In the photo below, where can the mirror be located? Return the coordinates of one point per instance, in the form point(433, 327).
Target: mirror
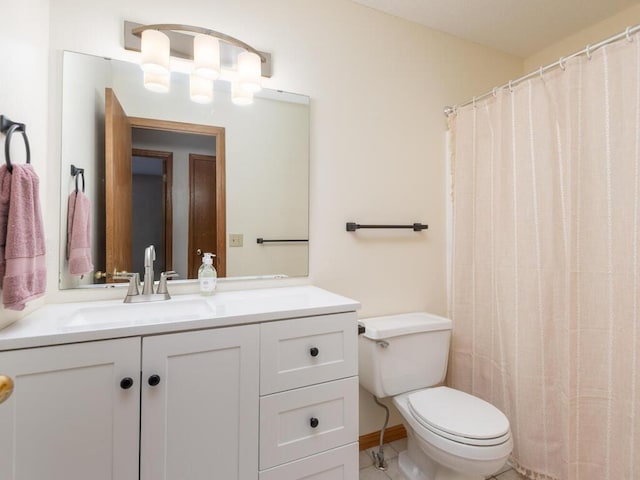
point(239, 174)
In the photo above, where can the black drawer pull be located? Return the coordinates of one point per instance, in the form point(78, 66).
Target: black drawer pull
point(126, 383)
point(314, 422)
point(154, 380)
point(313, 351)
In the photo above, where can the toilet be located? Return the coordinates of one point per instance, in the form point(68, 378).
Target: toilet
point(451, 435)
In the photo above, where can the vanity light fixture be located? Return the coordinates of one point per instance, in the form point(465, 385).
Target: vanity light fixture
point(215, 55)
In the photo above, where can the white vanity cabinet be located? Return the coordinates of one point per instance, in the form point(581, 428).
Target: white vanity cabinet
point(83, 411)
point(68, 417)
point(268, 391)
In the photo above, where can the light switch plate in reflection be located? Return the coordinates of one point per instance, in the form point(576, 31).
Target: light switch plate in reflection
point(235, 239)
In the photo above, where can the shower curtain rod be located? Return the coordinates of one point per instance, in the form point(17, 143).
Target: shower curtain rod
point(588, 50)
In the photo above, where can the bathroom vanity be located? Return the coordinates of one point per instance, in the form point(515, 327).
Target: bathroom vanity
point(258, 384)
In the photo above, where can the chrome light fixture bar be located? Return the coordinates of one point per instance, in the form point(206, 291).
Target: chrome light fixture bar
point(214, 54)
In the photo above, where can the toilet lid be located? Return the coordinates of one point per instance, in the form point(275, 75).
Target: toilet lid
point(457, 413)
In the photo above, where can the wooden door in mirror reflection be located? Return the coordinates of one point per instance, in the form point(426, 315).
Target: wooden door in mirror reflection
point(207, 193)
point(206, 215)
point(118, 186)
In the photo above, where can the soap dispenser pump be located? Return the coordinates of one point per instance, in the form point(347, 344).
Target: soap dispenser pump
point(207, 275)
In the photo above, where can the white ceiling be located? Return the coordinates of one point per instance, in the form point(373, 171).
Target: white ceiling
point(519, 27)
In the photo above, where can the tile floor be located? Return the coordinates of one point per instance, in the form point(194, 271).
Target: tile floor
point(391, 450)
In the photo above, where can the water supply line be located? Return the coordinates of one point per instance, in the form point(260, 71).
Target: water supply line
point(378, 457)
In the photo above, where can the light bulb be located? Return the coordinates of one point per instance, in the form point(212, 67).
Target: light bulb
point(200, 89)
point(156, 82)
point(249, 71)
point(240, 96)
point(206, 56)
point(155, 52)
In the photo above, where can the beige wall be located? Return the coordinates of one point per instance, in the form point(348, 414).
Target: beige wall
point(591, 35)
point(377, 86)
point(24, 32)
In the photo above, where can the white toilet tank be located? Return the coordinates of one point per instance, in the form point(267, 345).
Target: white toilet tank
point(400, 353)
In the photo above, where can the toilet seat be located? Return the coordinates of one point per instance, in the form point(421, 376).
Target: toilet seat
point(459, 417)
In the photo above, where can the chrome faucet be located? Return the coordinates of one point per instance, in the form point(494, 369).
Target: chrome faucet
point(147, 295)
point(149, 258)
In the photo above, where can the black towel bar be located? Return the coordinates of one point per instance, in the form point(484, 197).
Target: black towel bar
point(417, 227)
point(9, 127)
point(262, 240)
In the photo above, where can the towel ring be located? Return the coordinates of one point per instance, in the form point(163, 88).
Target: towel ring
point(8, 128)
point(81, 174)
point(77, 172)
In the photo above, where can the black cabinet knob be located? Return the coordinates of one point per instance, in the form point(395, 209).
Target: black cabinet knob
point(154, 380)
point(314, 422)
point(126, 383)
point(313, 351)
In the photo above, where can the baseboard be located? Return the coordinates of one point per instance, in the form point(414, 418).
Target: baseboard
point(391, 434)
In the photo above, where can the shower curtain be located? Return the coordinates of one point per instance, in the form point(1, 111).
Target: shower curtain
point(545, 293)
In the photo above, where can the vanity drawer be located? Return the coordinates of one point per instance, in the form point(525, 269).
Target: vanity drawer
point(287, 420)
point(296, 353)
point(337, 464)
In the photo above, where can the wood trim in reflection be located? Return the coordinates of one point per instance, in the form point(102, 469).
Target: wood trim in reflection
point(180, 127)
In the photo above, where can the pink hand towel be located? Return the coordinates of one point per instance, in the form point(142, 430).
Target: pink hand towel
point(79, 234)
point(5, 193)
point(24, 253)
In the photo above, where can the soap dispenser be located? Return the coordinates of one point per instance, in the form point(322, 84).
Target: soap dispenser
point(207, 275)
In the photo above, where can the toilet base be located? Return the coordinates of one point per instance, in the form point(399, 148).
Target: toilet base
point(408, 468)
point(415, 465)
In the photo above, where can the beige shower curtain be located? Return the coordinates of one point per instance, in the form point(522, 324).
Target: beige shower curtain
point(545, 292)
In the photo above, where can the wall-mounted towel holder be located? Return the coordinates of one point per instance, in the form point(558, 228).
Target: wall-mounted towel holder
point(9, 127)
point(77, 172)
point(264, 240)
point(417, 227)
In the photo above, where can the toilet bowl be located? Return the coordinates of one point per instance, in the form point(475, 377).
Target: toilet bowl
point(451, 435)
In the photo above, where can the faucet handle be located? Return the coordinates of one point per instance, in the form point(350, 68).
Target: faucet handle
point(134, 281)
point(162, 285)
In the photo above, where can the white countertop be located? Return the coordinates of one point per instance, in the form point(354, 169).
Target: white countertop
point(56, 324)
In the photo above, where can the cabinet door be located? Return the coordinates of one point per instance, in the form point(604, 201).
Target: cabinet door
point(68, 417)
point(200, 420)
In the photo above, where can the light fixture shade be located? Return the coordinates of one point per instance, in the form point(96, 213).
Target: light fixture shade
point(200, 89)
point(240, 96)
point(206, 56)
point(156, 82)
point(249, 72)
point(155, 52)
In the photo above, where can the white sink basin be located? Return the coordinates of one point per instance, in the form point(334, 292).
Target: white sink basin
point(126, 314)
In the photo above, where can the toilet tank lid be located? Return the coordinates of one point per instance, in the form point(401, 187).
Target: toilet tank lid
point(378, 328)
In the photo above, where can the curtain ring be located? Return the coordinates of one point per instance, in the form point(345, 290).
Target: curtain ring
point(511, 86)
point(474, 102)
point(541, 71)
point(588, 51)
point(495, 92)
point(562, 63)
point(628, 34)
